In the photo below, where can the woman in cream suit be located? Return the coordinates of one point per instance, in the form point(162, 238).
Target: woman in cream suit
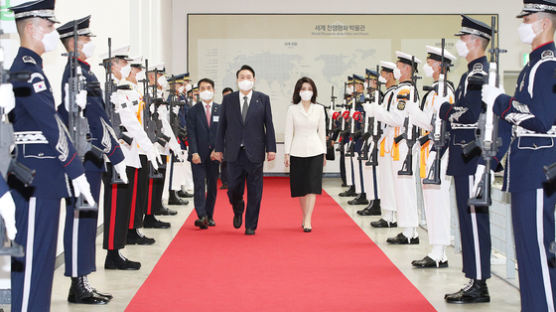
point(305, 147)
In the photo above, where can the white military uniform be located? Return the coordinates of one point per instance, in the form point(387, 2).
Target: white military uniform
point(436, 197)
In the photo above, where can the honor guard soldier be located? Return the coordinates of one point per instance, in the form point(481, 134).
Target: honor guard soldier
point(357, 141)
point(346, 160)
point(435, 196)
point(390, 73)
point(44, 146)
point(81, 226)
point(178, 103)
point(119, 205)
point(532, 113)
point(370, 177)
point(462, 117)
point(403, 151)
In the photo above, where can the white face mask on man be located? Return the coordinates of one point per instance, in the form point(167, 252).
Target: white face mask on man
point(206, 95)
point(527, 32)
point(140, 76)
point(428, 70)
point(246, 85)
point(163, 82)
point(89, 49)
point(125, 71)
point(50, 41)
point(397, 73)
point(462, 48)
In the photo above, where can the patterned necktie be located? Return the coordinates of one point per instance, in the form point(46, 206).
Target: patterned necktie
point(244, 109)
point(207, 112)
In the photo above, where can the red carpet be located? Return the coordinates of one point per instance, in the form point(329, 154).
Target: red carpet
point(334, 268)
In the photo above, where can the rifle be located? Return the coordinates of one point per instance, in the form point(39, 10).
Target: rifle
point(487, 139)
point(174, 120)
point(109, 88)
point(8, 163)
point(410, 134)
point(376, 132)
point(438, 135)
point(342, 131)
point(78, 126)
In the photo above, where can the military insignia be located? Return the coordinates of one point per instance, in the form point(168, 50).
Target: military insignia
point(106, 140)
point(29, 60)
point(62, 146)
point(458, 112)
point(39, 86)
point(520, 107)
point(547, 54)
point(106, 127)
point(478, 67)
point(401, 105)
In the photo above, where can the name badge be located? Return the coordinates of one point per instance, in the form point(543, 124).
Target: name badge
point(215, 118)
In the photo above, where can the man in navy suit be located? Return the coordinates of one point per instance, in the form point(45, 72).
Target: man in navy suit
point(202, 123)
point(245, 133)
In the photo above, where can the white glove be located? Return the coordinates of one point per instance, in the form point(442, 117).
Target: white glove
point(176, 109)
point(430, 161)
point(179, 156)
point(152, 108)
point(82, 187)
point(81, 99)
point(7, 96)
point(489, 94)
point(368, 108)
point(7, 211)
point(117, 98)
point(120, 169)
point(154, 158)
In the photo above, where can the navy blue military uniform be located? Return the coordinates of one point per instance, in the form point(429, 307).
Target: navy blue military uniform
point(80, 227)
point(532, 113)
point(202, 140)
point(42, 145)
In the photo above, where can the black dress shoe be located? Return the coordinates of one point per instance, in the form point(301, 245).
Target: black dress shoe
point(344, 184)
point(374, 209)
point(165, 212)
point(384, 224)
point(224, 187)
point(115, 261)
point(476, 291)
point(150, 222)
point(202, 223)
point(249, 232)
point(238, 220)
point(361, 199)
point(428, 262)
point(211, 222)
point(98, 293)
point(184, 194)
point(81, 292)
point(173, 199)
point(349, 193)
point(136, 238)
point(401, 239)
point(307, 230)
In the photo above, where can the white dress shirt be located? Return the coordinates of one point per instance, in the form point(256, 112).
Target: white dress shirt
point(305, 131)
point(241, 96)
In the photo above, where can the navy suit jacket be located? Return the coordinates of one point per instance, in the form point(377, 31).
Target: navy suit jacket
point(257, 133)
point(201, 137)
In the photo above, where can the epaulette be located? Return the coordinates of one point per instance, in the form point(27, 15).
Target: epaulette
point(547, 54)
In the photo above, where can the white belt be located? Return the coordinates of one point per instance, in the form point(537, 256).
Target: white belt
point(522, 132)
point(29, 137)
point(458, 126)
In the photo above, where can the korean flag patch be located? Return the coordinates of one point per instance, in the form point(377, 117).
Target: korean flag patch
point(39, 86)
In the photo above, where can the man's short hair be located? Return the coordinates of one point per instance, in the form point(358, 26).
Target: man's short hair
point(206, 80)
point(246, 67)
point(227, 89)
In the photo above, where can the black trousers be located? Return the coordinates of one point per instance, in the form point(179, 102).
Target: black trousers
point(343, 168)
point(139, 196)
point(156, 188)
point(224, 172)
point(240, 172)
point(205, 176)
point(117, 204)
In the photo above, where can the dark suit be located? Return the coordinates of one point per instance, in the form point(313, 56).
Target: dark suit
point(202, 138)
point(245, 144)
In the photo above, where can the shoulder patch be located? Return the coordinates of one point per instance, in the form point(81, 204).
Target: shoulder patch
point(478, 67)
point(29, 59)
point(401, 105)
point(547, 54)
point(39, 86)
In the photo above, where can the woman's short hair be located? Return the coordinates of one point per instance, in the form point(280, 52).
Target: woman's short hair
point(296, 97)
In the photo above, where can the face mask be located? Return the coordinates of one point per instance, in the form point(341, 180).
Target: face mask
point(366, 86)
point(245, 85)
point(427, 69)
point(163, 82)
point(188, 87)
point(140, 76)
point(181, 89)
point(397, 73)
point(462, 49)
point(206, 95)
point(89, 49)
point(349, 90)
point(125, 71)
point(50, 41)
point(382, 79)
point(527, 32)
point(306, 95)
